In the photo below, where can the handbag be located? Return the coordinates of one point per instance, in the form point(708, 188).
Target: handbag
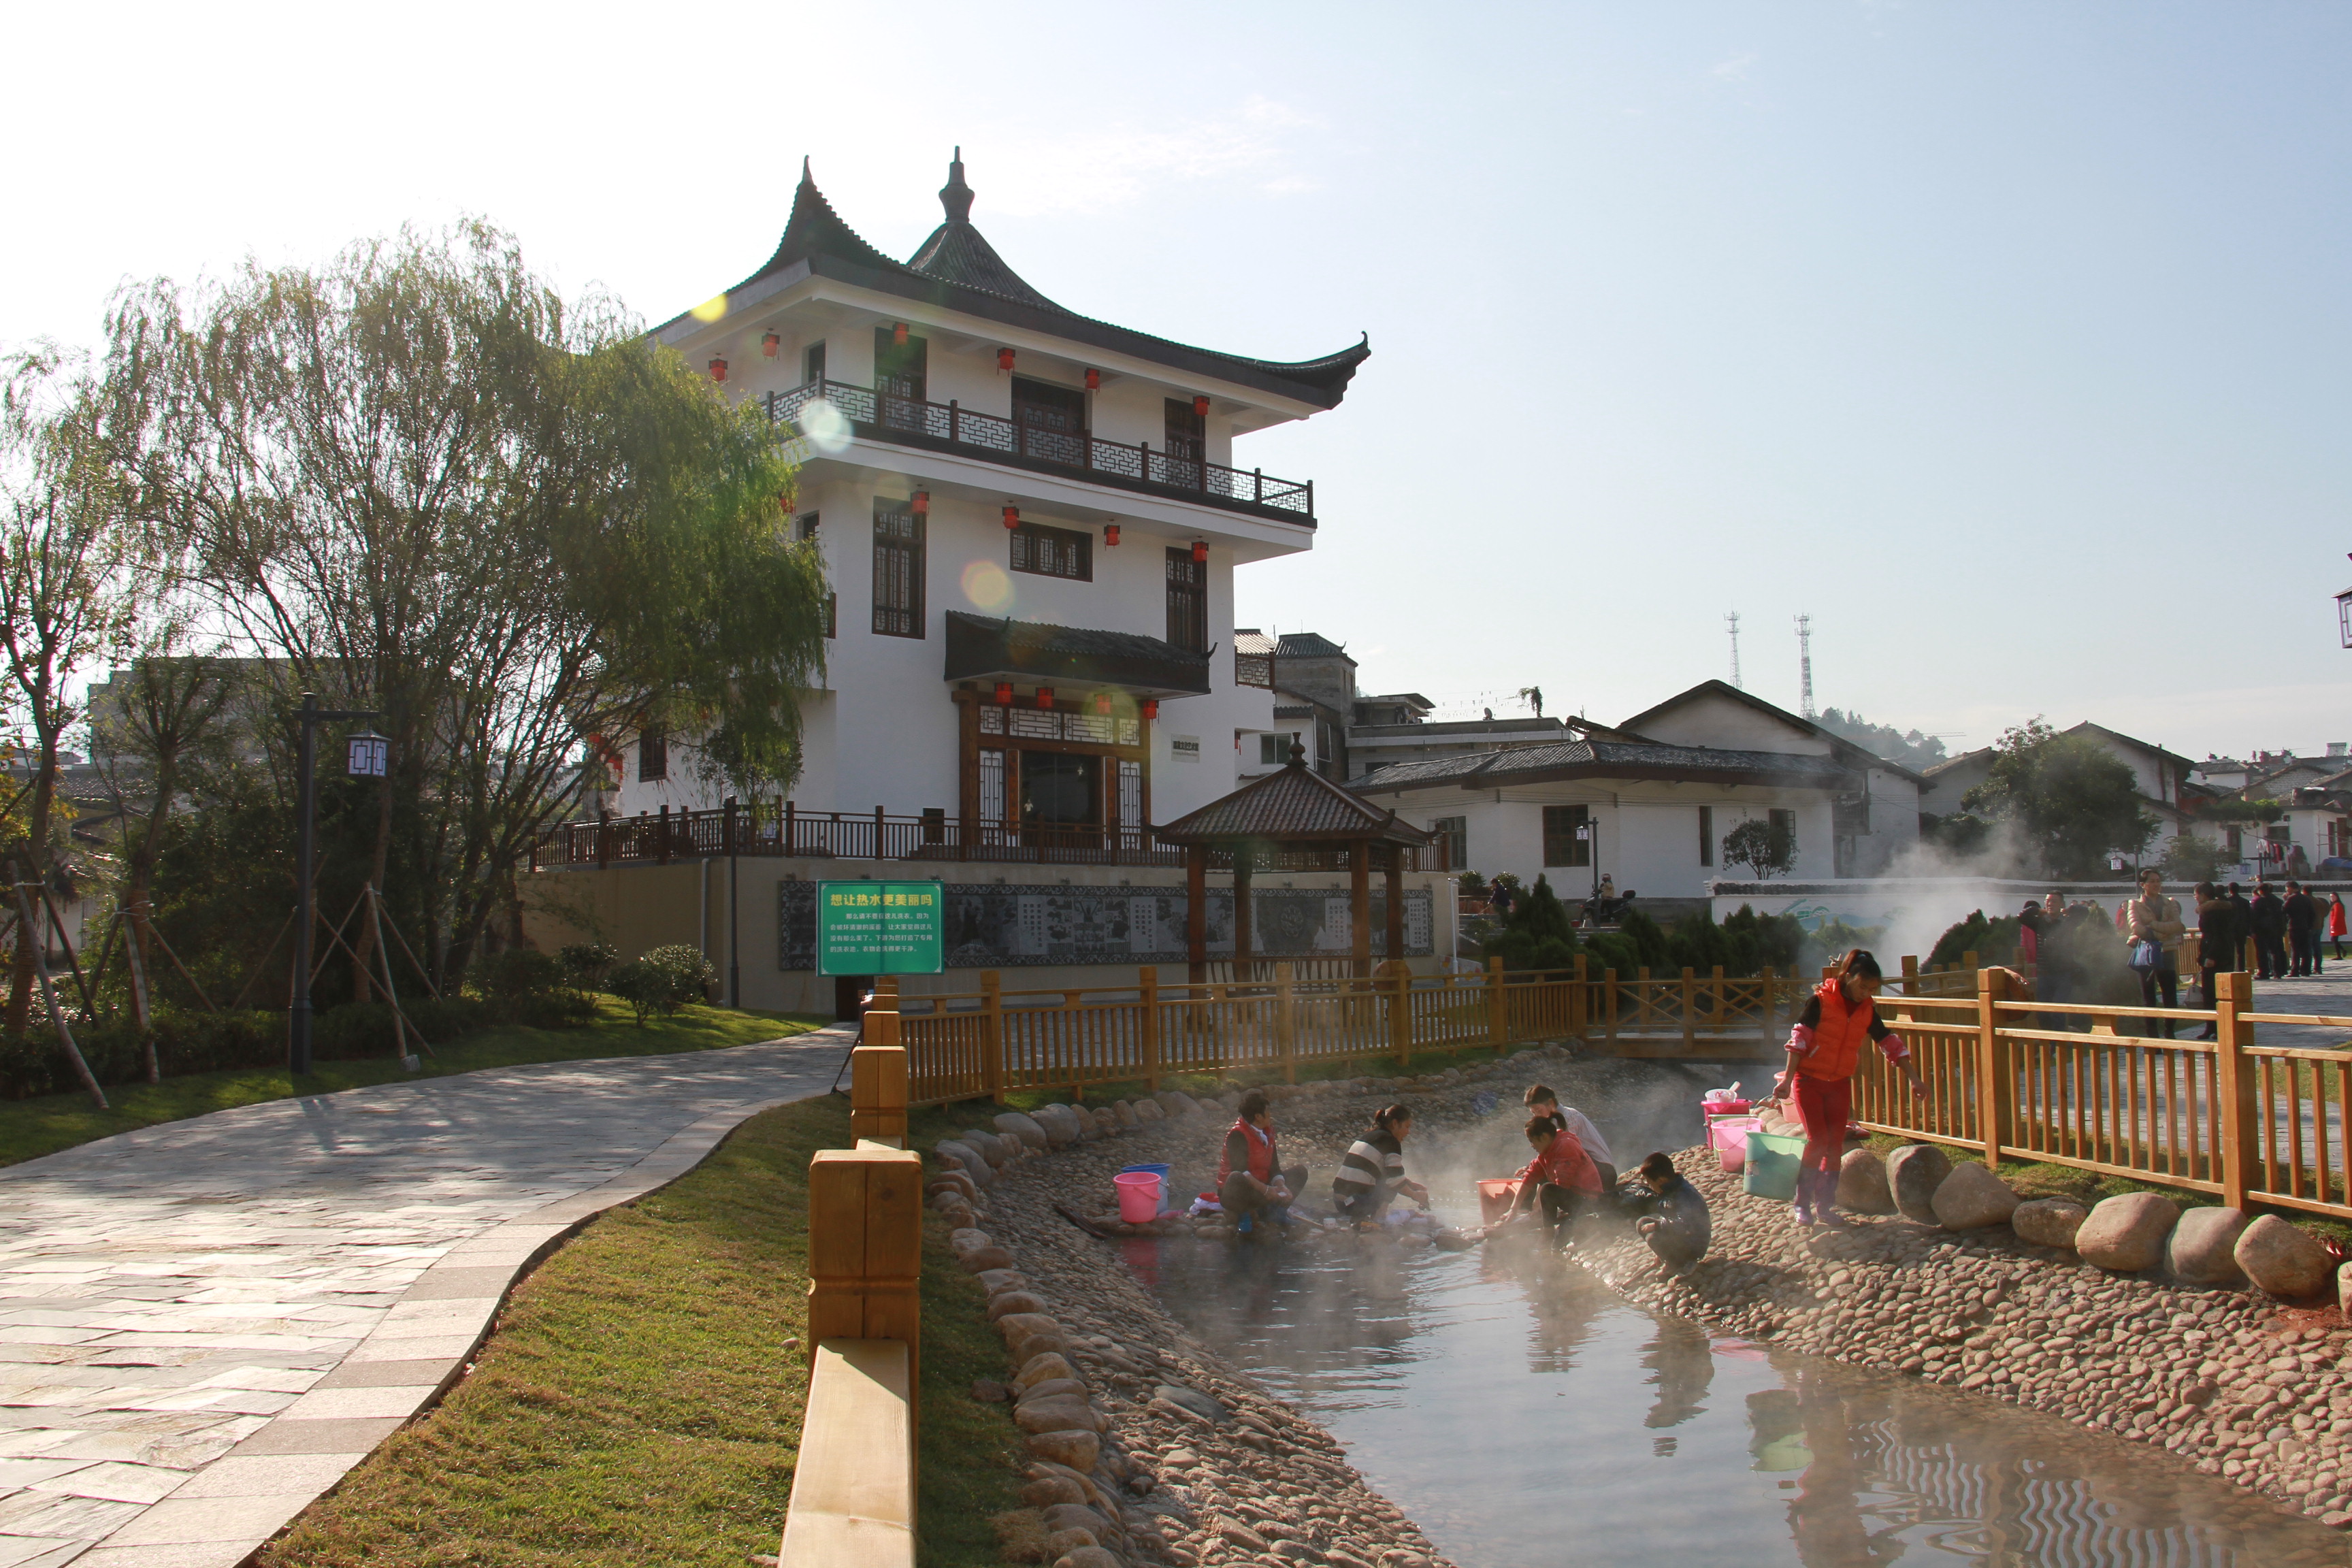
point(2146, 956)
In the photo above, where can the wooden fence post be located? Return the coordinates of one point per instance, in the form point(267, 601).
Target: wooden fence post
point(1609, 988)
point(864, 1247)
point(877, 1084)
point(1286, 1022)
point(1996, 1097)
point(1690, 1009)
point(1580, 1001)
point(1498, 1005)
point(1768, 1012)
point(1400, 1010)
point(991, 1034)
point(1715, 998)
point(2234, 1085)
point(1147, 986)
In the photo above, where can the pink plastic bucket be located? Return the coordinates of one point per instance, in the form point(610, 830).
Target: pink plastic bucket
point(1138, 1197)
point(1729, 1136)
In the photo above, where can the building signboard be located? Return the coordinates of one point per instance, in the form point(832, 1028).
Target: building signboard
point(879, 928)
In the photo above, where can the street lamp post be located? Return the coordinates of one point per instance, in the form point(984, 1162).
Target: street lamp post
point(368, 756)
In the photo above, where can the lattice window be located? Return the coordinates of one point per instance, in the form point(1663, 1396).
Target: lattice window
point(1036, 723)
point(1567, 839)
point(898, 571)
point(991, 721)
point(1130, 795)
point(991, 785)
point(1054, 552)
point(1093, 726)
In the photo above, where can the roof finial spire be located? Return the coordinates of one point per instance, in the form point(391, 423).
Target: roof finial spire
point(955, 195)
point(805, 169)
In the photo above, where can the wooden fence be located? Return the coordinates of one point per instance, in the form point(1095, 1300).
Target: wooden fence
point(2066, 1084)
point(989, 1043)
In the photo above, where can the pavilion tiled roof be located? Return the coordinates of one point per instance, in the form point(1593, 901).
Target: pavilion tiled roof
point(956, 268)
point(1609, 759)
point(1294, 806)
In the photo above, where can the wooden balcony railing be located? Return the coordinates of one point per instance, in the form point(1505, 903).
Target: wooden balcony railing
point(786, 830)
point(914, 422)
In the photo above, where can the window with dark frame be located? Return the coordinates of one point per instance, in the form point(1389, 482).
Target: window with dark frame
point(1188, 601)
point(1783, 822)
point(1454, 832)
point(1707, 835)
point(1561, 844)
point(653, 757)
point(1050, 421)
point(1053, 552)
point(812, 363)
point(1273, 750)
point(1187, 432)
point(804, 530)
point(898, 571)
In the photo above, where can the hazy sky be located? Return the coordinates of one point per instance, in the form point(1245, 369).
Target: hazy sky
point(2010, 342)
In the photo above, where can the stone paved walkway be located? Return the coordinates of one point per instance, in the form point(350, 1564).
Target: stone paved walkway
point(204, 1324)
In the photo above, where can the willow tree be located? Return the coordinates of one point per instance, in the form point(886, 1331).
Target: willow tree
point(71, 575)
point(418, 480)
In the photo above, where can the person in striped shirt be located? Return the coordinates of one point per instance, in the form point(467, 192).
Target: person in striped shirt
point(1373, 1171)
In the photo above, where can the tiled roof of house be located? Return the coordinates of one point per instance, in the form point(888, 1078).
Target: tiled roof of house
point(1251, 643)
point(1308, 645)
point(1607, 759)
point(959, 269)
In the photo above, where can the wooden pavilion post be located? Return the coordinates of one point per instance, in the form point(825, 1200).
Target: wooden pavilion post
point(1196, 910)
point(1360, 904)
point(1244, 966)
point(1392, 881)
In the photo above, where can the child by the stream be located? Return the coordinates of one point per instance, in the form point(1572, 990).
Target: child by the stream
point(1542, 1101)
point(1561, 1181)
point(1825, 1049)
point(1672, 1215)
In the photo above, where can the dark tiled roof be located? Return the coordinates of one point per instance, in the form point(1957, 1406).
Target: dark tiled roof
point(1308, 645)
point(986, 646)
point(1857, 756)
point(958, 270)
point(1607, 759)
point(1294, 806)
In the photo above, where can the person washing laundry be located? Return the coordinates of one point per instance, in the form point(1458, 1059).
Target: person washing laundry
point(1670, 1215)
point(1250, 1178)
point(1561, 1181)
point(1372, 1172)
point(1825, 1049)
point(1542, 1101)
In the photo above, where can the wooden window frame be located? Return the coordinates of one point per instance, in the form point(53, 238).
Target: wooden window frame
point(653, 757)
point(1561, 847)
point(1029, 543)
point(1190, 578)
point(914, 547)
point(1707, 835)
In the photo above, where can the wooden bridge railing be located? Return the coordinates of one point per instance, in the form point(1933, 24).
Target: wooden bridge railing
point(2064, 1084)
point(992, 1042)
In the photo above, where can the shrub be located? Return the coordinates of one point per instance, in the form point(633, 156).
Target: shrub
point(664, 979)
point(589, 963)
point(1538, 934)
point(1755, 941)
point(520, 971)
point(35, 1064)
point(1992, 941)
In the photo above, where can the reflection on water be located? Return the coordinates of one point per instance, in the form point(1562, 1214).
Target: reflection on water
point(1525, 1417)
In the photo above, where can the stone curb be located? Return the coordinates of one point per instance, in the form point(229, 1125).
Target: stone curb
point(237, 1504)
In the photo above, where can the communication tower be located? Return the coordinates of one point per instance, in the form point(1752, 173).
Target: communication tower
point(1732, 620)
point(1805, 665)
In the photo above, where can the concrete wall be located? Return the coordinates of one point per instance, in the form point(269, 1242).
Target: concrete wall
point(639, 907)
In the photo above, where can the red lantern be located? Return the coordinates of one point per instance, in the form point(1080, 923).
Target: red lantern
point(1004, 693)
point(1094, 381)
point(898, 335)
point(1201, 406)
point(1110, 535)
point(1151, 708)
point(1044, 697)
point(1102, 701)
point(768, 345)
point(921, 503)
point(1004, 359)
point(1011, 517)
point(717, 368)
point(1199, 552)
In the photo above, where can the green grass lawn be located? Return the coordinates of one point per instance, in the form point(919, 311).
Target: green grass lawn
point(637, 1406)
point(29, 1128)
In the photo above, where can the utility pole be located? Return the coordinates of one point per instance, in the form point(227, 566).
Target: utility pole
point(1732, 620)
point(367, 759)
point(1805, 665)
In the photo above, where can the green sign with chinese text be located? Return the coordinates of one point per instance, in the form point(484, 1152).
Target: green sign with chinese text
point(879, 928)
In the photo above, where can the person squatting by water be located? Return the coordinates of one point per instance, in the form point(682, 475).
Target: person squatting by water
point(1561, 1181)
point(1251, 1180)
point(1672, 1215)
point(1825, 1049)
point(1372, 1172)
point(1541, 1101)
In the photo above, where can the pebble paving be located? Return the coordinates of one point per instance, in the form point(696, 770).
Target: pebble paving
point(204, 1324)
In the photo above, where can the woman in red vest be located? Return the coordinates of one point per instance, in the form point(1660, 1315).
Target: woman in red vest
point(1825, 1049)
point(1250, 1178)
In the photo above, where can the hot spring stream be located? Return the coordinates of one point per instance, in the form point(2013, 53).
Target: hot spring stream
point(1525, 1416)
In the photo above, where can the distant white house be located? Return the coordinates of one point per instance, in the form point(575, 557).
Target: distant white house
point(1648, 803)
point(2165, 781)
